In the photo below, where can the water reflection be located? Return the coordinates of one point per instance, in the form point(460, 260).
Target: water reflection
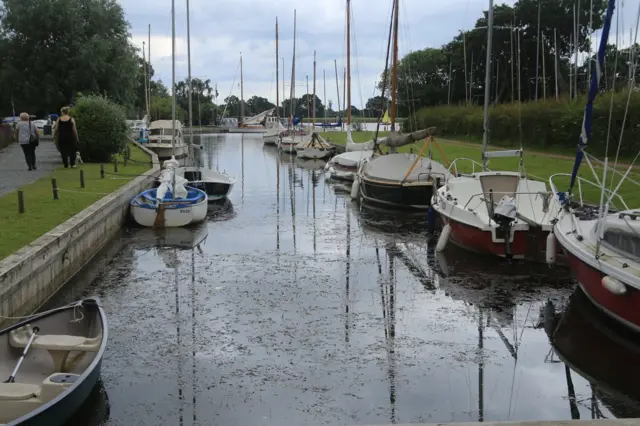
point(306, 307)
point(601, 352)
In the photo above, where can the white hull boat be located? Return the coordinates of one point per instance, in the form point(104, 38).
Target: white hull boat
point(216, 185)
point(345, 166)
point(287, 144)
point(160, 140)
point(273, 129)
point(170, 205)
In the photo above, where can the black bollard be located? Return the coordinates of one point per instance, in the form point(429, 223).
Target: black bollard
point(81, 178)
point(20, 202)
point(54, 186)
point(101, 171)
point(115, 166)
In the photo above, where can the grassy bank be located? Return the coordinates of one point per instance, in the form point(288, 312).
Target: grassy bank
point(537, 164)
point(43, 213)
point(546, 124)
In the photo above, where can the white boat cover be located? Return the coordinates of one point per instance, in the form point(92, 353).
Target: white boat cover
point(353, 146)
point(167, 178)
point(257, 119)
point(393, 167)
point(351, 159)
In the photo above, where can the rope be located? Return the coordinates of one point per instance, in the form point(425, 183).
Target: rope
point(75, 306)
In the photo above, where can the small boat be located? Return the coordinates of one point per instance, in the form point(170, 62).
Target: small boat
point(274, 128)
point(345, 166)
point(171, 204)
point(217, 185)
point(51, 362)
point(315, 148)
point(397, 180)
point(289, 141)
point(160, 140)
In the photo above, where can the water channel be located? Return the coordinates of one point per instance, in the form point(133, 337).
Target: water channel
point(296, 307)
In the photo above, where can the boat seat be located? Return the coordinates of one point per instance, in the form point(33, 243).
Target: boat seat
point(58, 345)
point(18, 391)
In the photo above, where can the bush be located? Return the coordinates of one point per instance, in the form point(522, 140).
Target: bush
point(545, 123)
point(102, 128)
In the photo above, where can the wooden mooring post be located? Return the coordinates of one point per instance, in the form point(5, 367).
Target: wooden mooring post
point(115, 166)
point(101, 171)
point(81, 178)
point(54, 186)
point(20, 202)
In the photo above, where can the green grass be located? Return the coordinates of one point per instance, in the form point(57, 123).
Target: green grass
point(43, 213)
point(537, 164)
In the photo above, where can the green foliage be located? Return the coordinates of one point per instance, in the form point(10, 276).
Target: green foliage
point(161, 109)
point(455, 73)
point(50, 50)
point(545, 125)
point(102, 128)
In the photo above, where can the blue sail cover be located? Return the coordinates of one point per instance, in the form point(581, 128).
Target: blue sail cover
point(585, 134)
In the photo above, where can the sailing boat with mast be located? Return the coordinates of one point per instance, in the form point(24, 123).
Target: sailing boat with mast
point(215, 184)
point(496, 212)
point(345, 166)
point(172, 204)
point(272, 123)
point(602, 248)
point(398, 180)
point(315, 148)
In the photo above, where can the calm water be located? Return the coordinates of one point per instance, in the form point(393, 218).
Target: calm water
point(297, 308)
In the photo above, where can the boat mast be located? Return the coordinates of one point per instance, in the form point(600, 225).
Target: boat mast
point(189, 78)
point(241, 92)
point(394, 78)
point(146, 80)
point(293, 71)
point(335, 64)
point(324, 88)
point(277, 74)
point(173, 77)
point(149, 82)
point(348, 104)
point(313, 102)
point(487, 86)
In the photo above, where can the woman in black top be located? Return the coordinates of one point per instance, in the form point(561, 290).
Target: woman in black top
point(67, 135)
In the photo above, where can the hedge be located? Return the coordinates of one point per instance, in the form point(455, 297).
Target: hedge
point(102, 128)
point(546, 124)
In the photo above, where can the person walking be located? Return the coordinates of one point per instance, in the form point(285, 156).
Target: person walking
point(27, 136)
point(67, 136)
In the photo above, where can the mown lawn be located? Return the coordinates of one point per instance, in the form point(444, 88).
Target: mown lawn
point(537, 164)
point(43, 213)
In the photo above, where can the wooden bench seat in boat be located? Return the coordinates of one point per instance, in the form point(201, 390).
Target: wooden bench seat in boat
point(58, 345)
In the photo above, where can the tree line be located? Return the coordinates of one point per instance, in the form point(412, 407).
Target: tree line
point(525, 55)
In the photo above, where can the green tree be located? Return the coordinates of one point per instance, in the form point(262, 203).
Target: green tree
point(161, 109)
point(102, 127)
point(259, 104)
point(51, 50)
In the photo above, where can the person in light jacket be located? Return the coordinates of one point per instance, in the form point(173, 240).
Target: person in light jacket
point(27, 136)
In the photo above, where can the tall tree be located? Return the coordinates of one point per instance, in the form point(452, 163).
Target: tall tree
point(52, 50)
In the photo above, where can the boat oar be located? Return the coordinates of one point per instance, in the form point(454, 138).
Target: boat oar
point(12, 377)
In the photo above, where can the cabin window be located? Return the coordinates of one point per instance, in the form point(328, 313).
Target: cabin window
point(623, 241)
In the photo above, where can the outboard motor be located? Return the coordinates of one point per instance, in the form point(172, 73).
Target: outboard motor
point(504, 214)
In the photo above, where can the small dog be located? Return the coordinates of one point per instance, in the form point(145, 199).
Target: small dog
point(79, 158)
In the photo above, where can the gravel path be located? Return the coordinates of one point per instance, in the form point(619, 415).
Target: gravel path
point(13, 169)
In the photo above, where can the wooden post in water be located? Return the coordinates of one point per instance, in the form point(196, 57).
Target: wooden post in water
point(20, 202)
point(54, 186)
point(101, 171)
point(81, 178)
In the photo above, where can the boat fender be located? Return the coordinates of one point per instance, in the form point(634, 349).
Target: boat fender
point(355, 188)
point(444, 238)
point(551, 249)
point(614, 286)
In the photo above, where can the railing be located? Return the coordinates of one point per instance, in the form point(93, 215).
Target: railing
point(543, 194)
point(473, 163)
point(580, 181)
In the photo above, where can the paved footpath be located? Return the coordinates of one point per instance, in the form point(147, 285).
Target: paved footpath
point(13, 169)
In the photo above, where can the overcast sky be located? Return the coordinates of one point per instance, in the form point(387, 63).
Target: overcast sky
point(222, 29)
